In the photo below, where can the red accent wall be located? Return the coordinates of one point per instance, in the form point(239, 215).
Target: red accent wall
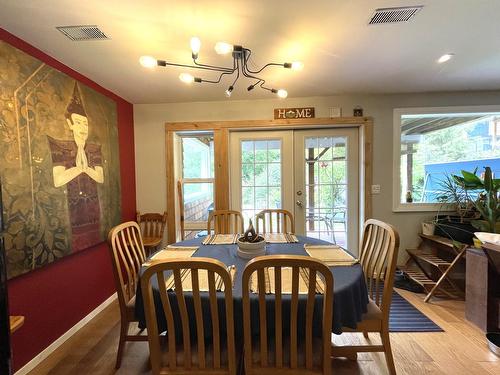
point(54, 298)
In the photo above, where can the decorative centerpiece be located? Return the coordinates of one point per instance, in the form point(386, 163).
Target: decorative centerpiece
point(251, 244)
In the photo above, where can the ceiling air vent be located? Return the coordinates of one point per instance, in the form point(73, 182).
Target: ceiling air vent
point(393, 15)
point(82, 32)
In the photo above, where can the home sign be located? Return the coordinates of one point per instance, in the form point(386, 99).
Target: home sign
point(288, 113)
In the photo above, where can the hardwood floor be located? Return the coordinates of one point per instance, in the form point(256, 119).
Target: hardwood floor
point(461, 349)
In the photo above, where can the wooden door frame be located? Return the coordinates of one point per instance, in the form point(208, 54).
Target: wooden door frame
point(221, 131)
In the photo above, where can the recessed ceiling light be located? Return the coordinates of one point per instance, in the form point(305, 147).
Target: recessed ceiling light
point(445, 58)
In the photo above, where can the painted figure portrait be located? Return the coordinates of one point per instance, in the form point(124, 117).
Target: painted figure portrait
point(59, 163)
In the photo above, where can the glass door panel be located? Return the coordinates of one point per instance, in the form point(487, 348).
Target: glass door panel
point(326, 185)
point(258, 174)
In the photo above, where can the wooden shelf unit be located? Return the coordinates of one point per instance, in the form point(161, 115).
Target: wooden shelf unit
point(438, 266)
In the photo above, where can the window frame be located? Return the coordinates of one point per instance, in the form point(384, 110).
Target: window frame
point(398, 206)
point(194, 225)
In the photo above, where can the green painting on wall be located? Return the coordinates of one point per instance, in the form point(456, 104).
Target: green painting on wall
point(59, 163)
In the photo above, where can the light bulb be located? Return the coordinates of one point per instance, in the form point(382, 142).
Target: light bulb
point(222, 48)
point(445, 58)
point(186, 78)
point(195, 45)
point(147, 61)
point(297, 65)
point(229, 91)
point(282, 93)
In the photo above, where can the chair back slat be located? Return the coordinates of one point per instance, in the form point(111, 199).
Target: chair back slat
point(299, 265)
point(278, 323)
point(311, 295)
point(225, 222)
point(179, 268)
point(127, 255)
point(275, 221)
point(262, 317)
point(199, 318)
point(186, 334)
point(379, 252)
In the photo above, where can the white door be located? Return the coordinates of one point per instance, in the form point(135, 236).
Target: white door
point(327, 185)
point(261, 171)
point(311, 173)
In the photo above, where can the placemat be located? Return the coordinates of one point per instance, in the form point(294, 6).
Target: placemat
point(280, 238)
point(172, 252)
point(220, 239)
point(286, 281)
point(331, 255)
point(187, 285)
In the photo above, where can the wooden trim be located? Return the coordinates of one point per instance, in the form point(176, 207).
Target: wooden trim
point(16, 322)
point(221, 169)
point(170, 175)
point(221, 156)
point(253, 124)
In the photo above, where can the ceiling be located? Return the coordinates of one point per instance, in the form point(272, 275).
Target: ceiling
point(340, 51)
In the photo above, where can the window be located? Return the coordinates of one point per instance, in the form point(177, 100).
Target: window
point(197, 180)
point(433, 143)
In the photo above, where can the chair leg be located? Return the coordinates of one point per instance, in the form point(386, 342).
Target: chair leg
point(121, 343)
point(384, 335)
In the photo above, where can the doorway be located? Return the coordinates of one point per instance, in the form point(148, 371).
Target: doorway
point(312, 173)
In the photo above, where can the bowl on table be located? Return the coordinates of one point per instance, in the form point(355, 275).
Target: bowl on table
point(249, 250)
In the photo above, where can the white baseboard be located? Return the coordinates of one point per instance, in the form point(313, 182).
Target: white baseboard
point(57, 343)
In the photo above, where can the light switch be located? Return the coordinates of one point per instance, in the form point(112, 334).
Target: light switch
point(375, 189)
point(335, 112)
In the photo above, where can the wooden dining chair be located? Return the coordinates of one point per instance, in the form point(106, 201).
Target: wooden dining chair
point(127, 255)
point(193, 359)
point(225, 222)
point(275, 221)
point(379, 254)
point(180, 198)
point(152, 229)
point(257, 360)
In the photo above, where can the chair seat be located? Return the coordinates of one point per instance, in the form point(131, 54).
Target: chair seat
point(371, 321)
point(130, 307)
point(151, 241)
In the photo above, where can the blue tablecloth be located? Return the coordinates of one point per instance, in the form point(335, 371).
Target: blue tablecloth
point(350, 293)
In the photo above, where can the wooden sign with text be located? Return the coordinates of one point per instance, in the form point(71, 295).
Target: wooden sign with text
point(287, 113)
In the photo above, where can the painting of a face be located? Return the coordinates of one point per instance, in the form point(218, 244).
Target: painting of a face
point(80, 127)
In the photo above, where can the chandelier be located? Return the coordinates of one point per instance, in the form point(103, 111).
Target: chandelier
point(241, 56)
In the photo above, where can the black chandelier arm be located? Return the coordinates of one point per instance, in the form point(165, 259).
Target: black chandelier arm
point(164, 63)
point(218, 80)
point(236, 61)
point(214, 67)
point(264, 67)
point(247, 55)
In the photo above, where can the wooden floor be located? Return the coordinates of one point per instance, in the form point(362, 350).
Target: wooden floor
point(461, 349)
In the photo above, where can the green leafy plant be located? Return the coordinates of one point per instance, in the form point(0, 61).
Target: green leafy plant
point(487, 201)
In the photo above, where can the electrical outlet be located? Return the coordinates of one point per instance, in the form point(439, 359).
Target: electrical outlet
point(375, 189)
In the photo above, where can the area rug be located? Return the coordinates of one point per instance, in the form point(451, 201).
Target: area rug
point(404, 317)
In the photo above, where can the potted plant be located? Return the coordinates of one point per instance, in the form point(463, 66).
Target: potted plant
point(251, 244)
point(456, 225)
point(487, 200)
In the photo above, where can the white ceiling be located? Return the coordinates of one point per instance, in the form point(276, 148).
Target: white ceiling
point(340, 51)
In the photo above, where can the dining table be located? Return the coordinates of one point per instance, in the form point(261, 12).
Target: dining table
point(350, 299)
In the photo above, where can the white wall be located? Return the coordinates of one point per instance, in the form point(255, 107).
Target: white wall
point(149, 120)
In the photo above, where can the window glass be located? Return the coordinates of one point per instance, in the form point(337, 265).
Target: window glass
point(434, 146)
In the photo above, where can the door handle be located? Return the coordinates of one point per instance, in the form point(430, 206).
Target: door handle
point(299, 203)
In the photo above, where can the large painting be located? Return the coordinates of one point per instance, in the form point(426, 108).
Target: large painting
point(59, 162)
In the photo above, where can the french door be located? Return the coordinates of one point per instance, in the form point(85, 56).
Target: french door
point(311, 173)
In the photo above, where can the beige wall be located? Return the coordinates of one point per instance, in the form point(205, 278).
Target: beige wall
point(149, 122)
